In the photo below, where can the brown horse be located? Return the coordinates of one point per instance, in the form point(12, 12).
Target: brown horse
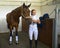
point(12, 19)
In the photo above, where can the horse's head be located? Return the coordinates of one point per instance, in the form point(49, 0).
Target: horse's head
point(25, 10)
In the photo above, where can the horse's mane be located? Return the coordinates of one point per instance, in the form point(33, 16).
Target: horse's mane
point(16, 11)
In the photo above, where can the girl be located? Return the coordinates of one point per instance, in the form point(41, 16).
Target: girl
point(33, 28)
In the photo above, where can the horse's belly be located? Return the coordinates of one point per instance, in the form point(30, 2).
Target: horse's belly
point(14, 24)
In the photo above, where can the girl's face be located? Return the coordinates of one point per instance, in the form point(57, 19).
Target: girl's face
point(34, 12)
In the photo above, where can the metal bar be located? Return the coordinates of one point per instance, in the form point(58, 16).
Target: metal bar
point(56, 33)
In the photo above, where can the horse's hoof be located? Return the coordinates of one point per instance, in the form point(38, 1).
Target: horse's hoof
point(17, 42)
point(10, 43)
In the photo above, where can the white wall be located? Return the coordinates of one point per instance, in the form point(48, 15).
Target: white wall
point(48, 9)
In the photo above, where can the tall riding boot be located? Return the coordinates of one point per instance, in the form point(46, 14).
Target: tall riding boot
point(35, 43)
point(30, 43)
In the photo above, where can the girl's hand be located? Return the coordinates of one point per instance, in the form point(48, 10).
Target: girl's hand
point(35, 21)
point(38, 21)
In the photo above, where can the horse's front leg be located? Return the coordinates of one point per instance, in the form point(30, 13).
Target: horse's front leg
point(16, 34)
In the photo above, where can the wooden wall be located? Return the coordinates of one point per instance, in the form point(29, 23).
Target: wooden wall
point(45, 33)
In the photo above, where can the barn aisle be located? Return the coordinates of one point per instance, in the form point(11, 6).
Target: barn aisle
point(23, 41)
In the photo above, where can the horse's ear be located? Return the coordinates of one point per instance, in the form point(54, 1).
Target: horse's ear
point(23, 4)
point(29, 5)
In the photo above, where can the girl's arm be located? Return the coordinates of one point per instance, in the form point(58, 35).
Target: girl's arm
point(36, 21)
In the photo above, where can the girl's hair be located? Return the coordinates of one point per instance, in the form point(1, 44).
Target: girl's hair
point(32, 11)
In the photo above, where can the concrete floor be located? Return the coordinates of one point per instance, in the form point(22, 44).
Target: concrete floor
point(58, 41)
point(23, 41)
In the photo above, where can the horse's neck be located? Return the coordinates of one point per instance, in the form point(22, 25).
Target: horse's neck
point(17, 12)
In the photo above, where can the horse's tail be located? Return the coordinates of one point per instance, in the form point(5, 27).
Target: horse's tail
point(7, 20)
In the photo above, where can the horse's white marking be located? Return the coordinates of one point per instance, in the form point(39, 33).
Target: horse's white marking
point(16, 38)
point(10, 38)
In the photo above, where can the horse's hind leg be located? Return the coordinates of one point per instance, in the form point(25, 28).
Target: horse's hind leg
point(10, 38)
point(12, 30)
point(16, 34)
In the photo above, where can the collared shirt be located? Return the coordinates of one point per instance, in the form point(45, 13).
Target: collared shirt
point(35, 17)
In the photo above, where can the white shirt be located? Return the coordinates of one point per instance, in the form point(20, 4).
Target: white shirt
point(34, 18)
